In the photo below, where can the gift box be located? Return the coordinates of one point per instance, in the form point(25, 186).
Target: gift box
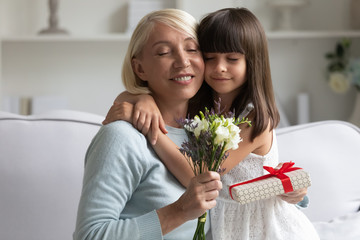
point(278, 181)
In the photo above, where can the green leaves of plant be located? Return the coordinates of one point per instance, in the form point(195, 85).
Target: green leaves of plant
point(339, 58)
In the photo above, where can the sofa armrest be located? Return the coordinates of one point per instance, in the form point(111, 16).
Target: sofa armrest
point(41, 170)
point(330, 152)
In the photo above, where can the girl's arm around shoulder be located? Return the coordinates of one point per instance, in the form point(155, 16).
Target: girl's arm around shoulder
point(164, 147)
point(172, 158)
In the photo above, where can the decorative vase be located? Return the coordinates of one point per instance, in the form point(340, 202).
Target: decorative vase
point(355, 14)
point(355, 116)
point(53, 20)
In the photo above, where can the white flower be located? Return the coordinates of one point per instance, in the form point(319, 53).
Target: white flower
point(222, 135)
point(227, 132)
point(234, 139)
point(339, 82)
point(197, 126)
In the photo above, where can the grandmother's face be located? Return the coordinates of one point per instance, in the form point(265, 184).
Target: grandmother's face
point(171, 63)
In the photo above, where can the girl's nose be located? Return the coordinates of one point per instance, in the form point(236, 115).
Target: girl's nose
point(220, 66)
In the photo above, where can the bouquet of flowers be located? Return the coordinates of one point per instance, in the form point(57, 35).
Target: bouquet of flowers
point(210, 136)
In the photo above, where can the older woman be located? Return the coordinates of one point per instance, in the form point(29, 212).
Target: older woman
point(127, 192)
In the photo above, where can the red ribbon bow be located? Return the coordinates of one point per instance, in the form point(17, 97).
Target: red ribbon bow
point(279, 173)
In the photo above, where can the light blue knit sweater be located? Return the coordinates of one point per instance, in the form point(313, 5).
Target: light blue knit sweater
point(124, 182)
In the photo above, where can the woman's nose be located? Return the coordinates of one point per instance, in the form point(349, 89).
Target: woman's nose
point(182, 60)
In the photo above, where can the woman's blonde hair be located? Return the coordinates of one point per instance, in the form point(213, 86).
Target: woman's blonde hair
point(175, 18)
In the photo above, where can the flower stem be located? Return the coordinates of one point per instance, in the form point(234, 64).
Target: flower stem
point(200, 228)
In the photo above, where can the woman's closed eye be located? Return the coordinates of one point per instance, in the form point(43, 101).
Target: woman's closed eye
point(191, 47)
point(192, 50)
point(163, 53)
point(162, 50)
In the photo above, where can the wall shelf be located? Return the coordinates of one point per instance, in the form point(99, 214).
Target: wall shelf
point(67, 38)
point(312, 34)
point(124, 37)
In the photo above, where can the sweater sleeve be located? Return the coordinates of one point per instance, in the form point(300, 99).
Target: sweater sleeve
point(114, 167)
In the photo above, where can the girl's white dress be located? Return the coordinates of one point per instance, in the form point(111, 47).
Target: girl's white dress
point(272, 219)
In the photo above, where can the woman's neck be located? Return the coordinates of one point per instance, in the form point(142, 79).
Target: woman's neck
point(172, 112)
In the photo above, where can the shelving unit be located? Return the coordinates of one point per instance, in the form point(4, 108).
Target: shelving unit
point(71, 38)
point(312, 34)
point(273, 35)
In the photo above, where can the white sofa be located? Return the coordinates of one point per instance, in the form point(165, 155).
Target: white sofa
point(42, 158)
point(41, 168)
point(330, 152)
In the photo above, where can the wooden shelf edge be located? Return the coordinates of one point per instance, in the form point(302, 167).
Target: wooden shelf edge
point(311, 34)
point(68, 38)
point(271, 35)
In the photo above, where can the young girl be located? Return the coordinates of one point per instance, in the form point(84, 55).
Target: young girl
point(237, 71)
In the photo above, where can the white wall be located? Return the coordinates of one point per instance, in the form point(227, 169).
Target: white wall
point(299, 66)
point(88, 73)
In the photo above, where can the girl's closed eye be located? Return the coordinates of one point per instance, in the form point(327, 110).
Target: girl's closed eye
point(235, 57)
point(208, 57)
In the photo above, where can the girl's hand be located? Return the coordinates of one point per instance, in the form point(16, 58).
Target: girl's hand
point(119, 111)
point(141, 111)
point(294, 196)
point(147, 115)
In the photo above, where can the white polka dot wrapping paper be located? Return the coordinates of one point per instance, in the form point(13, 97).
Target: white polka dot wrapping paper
point(254, 190)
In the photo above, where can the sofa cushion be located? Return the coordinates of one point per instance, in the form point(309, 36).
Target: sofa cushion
point(41, 169)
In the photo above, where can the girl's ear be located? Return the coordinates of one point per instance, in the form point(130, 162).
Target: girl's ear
point(138, 69)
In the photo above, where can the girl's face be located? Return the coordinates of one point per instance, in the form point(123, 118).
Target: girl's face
point(225, 73)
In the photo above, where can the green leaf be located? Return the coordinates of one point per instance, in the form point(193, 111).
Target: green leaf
point(329, 55)
point(346, 43)
point(340, 50)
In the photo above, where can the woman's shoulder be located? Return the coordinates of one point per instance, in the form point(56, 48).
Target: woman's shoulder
point(118, 140)
point(120, 132)
point(120, 126)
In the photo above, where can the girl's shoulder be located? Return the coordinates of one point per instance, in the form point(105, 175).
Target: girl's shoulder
point(264, 141)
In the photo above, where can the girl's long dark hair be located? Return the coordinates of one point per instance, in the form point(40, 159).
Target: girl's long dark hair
point(238, 30)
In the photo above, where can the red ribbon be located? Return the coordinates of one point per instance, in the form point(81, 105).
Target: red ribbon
point(279, 173)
